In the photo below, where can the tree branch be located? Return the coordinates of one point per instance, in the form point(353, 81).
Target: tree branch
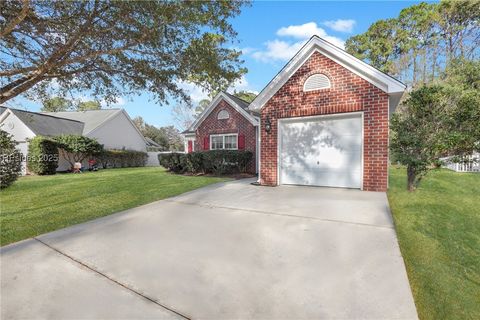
point(19, 18)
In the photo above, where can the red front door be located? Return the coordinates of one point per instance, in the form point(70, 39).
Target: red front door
point(190, 146)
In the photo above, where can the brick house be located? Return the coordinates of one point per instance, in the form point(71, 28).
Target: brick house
point(226, 123)
point(324, 121)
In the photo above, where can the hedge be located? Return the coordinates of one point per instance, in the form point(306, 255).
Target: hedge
point(42, 156)
point(121, 158)
point(10, 160)
point(217, 162)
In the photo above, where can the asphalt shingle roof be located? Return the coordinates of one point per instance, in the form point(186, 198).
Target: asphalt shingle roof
point(92, 118)
point(45, 124)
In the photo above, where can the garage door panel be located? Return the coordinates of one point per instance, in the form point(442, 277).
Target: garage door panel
point(322, 152)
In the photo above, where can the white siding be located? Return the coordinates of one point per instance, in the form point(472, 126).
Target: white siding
point(20, 132)
point(119, 133)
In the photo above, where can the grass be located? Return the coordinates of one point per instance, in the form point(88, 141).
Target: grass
point(438, 228)
point(38, 204)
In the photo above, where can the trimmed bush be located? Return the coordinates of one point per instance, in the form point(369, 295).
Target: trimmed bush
point(175, 162)
point(218, 162)
point(10, 160)
point(42, 156)
point(194, 162)
point(121, 158)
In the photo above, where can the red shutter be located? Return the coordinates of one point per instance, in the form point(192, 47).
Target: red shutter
point(190, 146)
point(241, 141)
point(206, 143)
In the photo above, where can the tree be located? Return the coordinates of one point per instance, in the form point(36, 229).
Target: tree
point(74, 148)
point(10, 160)
point(168, 137)
point(247, 96)
point(417, 132)
point(111, 47)
point(183, 115)
point(56, 104)
point(419, 44)
point(437, 120)
point(88, 105)
point(201, 106)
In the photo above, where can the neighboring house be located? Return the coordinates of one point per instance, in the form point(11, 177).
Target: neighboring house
point(225, 124)
point(324, 121)
point(152, 144)
point(111, 127)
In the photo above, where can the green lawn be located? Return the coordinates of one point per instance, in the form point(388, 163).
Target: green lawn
point(438, 228)
point(35, 205)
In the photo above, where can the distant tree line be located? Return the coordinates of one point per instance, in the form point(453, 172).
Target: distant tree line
point(168, 137)
point(418, 45)
point(58, 104)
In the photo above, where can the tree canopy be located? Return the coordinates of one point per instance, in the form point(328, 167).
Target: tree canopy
point(58, 104)
point(167, 137)
point(109, 48)
point(422, 41)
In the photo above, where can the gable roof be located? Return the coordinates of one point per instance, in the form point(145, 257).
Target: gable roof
point(383, 81)
point(151, 143)
point(238, 104)
point(44, 124)
point(91, 118)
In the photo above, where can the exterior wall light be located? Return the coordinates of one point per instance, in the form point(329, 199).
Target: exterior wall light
point(268, 125)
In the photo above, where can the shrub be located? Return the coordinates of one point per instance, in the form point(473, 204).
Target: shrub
point(42, 156)
point(175, 162)
point(194, 162)
point(121, 158)
point(75, 148)
point(10, 160)
point(217, 162)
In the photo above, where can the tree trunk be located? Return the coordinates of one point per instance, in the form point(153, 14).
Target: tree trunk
point(411, 177)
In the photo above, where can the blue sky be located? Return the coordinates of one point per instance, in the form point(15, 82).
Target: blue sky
point(269, 33)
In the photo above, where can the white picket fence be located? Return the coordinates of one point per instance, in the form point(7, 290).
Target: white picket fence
point(471, 164)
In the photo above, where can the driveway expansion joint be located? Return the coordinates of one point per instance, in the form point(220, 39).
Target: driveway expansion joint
point(212, 206)
point(152, 300)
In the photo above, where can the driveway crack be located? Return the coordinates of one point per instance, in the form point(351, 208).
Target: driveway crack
point(152, 300)
point(212, 206)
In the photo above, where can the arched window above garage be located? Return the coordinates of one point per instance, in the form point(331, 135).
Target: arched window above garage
point(316, 81)
point(223, 114)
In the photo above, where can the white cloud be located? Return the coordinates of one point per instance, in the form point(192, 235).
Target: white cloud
point(284, 50)
point(278, 50)
point(195, 92)
point(303, 31)
point(242, 84)
point(341, 25)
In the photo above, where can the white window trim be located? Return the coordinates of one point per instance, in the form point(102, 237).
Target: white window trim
point(223, 140)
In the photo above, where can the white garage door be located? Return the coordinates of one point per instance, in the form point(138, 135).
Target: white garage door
point(321, 151)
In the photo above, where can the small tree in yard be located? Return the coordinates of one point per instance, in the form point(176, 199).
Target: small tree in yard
point(76, 148)
point(435, 121)
point(10, 160)
point(417, 132)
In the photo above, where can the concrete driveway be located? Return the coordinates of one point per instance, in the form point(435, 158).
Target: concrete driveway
point(226, 251)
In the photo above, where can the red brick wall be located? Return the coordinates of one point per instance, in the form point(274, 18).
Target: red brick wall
point(348, 93)
point(237, 123)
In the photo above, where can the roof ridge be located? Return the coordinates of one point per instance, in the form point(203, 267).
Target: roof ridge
point(43, 114)
point(79, 111)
